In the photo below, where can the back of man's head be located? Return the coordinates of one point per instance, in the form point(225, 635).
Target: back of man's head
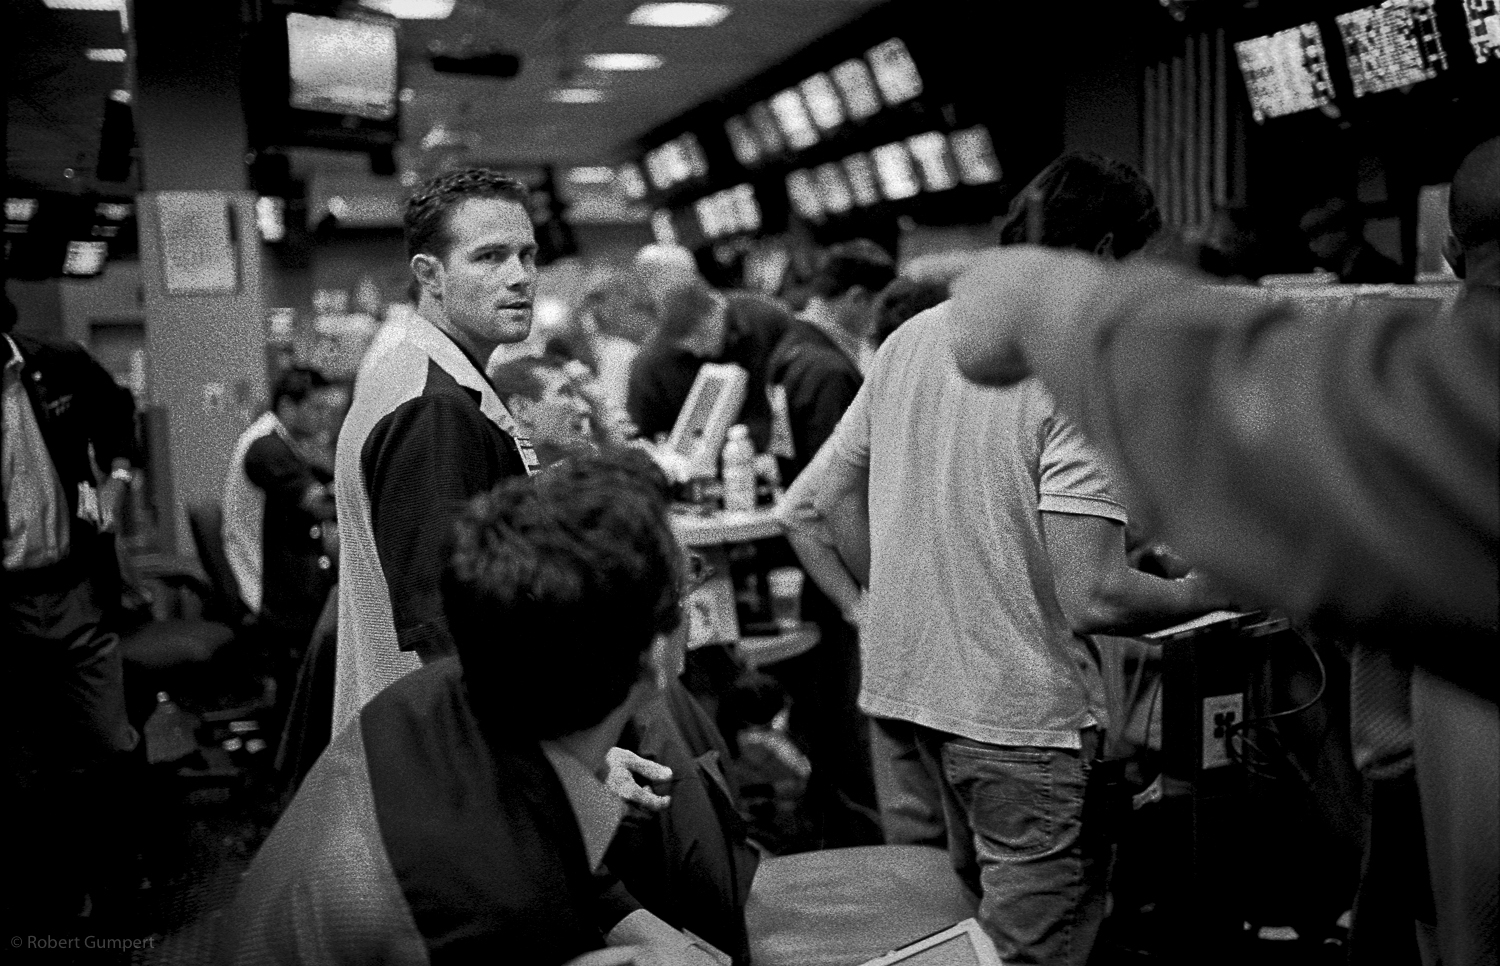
point(684, 309)
point(426, 219)
point(556, 588)
point(662, 267)
point(1474, 199)
point(844, 266)
point(1086, 201)
point(295, 384)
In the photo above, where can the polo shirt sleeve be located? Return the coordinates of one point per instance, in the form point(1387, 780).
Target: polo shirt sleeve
point(1073, 479)
point(850, 441)
point(818, 400)
point(421, 464)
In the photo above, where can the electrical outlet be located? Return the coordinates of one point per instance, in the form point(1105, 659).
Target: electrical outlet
point(1218, 714)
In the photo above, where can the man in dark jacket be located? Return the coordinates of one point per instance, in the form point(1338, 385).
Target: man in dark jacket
point(67, 442)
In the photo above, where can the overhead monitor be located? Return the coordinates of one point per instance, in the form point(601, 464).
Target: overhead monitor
point(1392, 45)
point(85, 259)
point(659, 169)
point(632, 182)
point(711, 217)
point(934, 160)
point(895, 171)
point(822, 101)
point(662, 229)
point(742, 141)
point(270, 218)
point(772, 142)
point(342, 66)
point(857, 86)
point(834, 191)
point(895, 72)
point(747, 209)
point(18, 214)
point(791, 114)
point(693, 156)
point(1482, 17)
point(860, 171)
point(1285, 72)
point(975, 155)
point(803, 195)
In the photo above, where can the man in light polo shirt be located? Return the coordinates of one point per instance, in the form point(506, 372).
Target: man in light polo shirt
point(995, 544)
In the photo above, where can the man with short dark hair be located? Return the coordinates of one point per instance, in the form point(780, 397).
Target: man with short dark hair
point(462, 817)
point(426, 431)
point(278, 501)
point(546, 404)
point(995, 545)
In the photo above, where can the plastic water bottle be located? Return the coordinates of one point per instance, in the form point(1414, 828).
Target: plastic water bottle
point(739, 470)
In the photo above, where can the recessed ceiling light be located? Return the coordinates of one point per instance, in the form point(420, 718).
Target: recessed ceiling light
point(622, 61)
point(576, 95)
point(412, 9)
point(678, 14)
point(593, 174)
point(106, 55)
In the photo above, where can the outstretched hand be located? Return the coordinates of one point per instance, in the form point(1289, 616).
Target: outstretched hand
point(625, 767)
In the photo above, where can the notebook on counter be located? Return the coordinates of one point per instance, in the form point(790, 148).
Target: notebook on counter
point(963, 944)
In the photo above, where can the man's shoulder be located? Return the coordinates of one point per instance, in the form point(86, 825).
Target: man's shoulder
point(804, 352)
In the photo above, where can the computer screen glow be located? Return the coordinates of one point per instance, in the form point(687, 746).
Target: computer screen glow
point(796, 123)
point(20, 209)
point(861, 173)
point(1392, 45)
point(1285, 72)
point(822, 101)
point(803, 196)
point(857, 86)
point(1483, 20)
point(895, 72)
point(833, 189)
point(742, 141)
point(764, 122)
point(85, 258)
point(975, 155)
point(632, 182)
point(939, 171)
point(747, 209)
point(894, 170)
point(342, 66)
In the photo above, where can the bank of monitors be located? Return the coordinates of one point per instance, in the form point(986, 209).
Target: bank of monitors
point(857, 86)
point(732, 211)
point(680, 159)
point(1391, 45)
point(792, 116)
point(343, 67)
point(1482, 20)
point(1285, 72)
point(48, 234)
point(934, 160)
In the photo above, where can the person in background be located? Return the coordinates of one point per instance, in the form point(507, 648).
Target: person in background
point(1341, 468)
point(697, 324)
point(661, 268)
point(426, 430)
point(1335, 235)
point(996, 544)
point(548, 407)
point(461, 817)
point(280, 533)
point(899, 301)
point(67, 444)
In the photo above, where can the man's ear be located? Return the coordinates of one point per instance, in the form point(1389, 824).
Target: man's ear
point(428, 270)
point(1106, 246)
point(1453, 252)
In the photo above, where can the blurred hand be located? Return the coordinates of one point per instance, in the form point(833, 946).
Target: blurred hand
point(624, 767)
point(111, 503)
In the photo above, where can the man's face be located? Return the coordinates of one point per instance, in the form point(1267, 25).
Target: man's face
point(313, 415)
point(559, 417)
point(487, 279)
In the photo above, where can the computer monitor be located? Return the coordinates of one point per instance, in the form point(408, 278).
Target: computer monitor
point(711, 220)
point(857, 87)
point(746, 208)
point(772, 141)
point(860, 171)
point(895, 171)
point(975, 155)
point(804, 196)
point(963, 944)
point(85, 259)
point(1285, 72)
point(822, 101)
point(712, 406)
point(795, 122)
point(742, 141)
point(934, 160)
point(1482, 18)
point(1393, 44)
point(895, 72)
point(632, 182)
point(342, 66)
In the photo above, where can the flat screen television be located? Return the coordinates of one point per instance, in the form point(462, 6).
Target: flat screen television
point(85, 259)
point(895, 72)
point(833, 189)
point(772, 141)
point(803, 195)
point(860, 171)
point(796, 123)
point(822, 101)
point(1482, 19)
point(742, 141)
point(342, 66)
point(895, 171)
point(975, 154)
point(857, 86)
point(1285, 72)
point(1391, 45)
point(934, 160)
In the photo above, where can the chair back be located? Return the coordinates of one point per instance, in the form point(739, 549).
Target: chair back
point(206, 520)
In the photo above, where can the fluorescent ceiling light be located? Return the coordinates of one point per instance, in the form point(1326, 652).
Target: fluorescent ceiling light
point(678, 14)
point(412, 9)
point(592, 175)
point(576, 95)
point(622, 61)
point(106, 55)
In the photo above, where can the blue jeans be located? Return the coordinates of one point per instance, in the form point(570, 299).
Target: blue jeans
point(1017, 835)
